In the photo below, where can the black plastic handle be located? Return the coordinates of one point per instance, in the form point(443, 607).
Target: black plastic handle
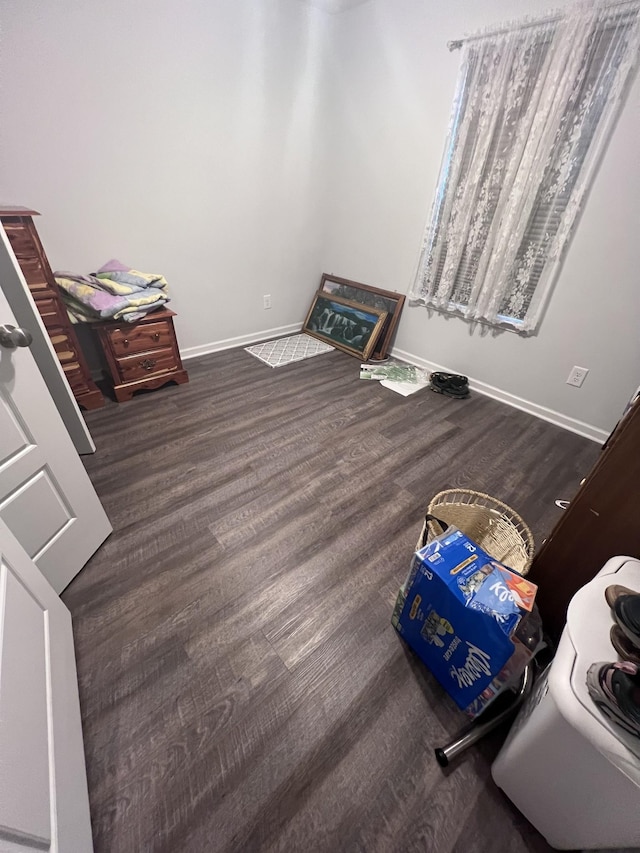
point(428, 517)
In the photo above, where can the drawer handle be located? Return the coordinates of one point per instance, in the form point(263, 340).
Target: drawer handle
point(148, 363)
point(156, 336)
point(126, 342)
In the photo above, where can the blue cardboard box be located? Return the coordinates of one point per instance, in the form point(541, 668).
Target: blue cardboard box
point(459, 610)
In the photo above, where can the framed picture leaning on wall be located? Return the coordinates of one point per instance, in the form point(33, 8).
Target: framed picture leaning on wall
point(372, 297)
point(346, 325)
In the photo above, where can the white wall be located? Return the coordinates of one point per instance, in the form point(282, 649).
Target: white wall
point(393, 79)
point(180, 136)
point(243, 147)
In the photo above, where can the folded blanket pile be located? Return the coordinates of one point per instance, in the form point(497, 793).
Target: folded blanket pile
point(114, 292)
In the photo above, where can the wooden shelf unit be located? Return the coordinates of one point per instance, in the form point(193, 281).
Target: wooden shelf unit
point(20, 229)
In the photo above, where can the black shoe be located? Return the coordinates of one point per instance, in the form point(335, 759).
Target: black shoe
point(450, 384)
point(625, 605)
point(615, 688)
point(625, 648)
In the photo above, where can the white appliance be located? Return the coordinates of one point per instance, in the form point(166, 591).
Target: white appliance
point(574, 774)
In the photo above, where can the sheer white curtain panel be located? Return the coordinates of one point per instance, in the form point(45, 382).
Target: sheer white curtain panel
point(533, 109)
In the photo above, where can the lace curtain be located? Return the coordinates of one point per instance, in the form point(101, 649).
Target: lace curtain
point(533, 109)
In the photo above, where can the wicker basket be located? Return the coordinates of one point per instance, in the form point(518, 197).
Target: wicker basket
point(497, 528)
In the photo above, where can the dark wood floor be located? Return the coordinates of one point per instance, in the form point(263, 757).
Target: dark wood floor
point(242, 688)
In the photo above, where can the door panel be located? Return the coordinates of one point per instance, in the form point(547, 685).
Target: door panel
point(36, 513)
point(44, 803)
point(14, 439)
point(23, 709)
point(46, 497)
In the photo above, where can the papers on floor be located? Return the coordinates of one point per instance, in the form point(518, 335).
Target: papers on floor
point(397, 372)
point(406, 388)
point(404, 379)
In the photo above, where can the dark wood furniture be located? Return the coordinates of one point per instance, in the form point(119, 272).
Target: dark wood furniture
point(25, 242)
point(602, 521)
point(141, 355)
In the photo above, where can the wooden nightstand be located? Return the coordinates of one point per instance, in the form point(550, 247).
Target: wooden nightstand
point(141, 355)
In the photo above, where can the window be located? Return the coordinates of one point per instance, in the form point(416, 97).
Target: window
point(533, 109)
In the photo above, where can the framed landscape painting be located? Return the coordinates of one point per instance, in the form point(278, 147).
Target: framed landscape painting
point(347, 325)
point(372, 297)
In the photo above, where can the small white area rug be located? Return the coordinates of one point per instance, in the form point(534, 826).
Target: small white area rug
point(288, 350)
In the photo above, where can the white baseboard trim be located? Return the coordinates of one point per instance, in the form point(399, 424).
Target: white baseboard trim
point(572, 424)
point(240, 341)
point(553, 417)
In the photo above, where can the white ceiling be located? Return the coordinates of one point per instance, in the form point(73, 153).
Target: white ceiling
point(335, 6)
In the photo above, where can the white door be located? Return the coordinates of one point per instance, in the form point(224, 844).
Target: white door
point(46, 497)
point(44, 802)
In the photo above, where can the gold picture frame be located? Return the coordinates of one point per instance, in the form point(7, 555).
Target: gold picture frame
point(347, 325)
point(372, 297)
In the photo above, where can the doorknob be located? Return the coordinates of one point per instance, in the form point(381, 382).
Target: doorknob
point(11, 337)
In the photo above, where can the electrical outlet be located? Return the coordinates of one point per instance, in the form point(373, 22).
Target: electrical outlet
point(577, 376)
point(266, 300)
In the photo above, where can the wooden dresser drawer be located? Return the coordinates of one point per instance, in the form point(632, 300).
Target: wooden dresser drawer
point(140, 338)
point(20, 238)
point(146, 364)
point(64, 347)
point(51, 313)
point(75, 377)
point(36, 277)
